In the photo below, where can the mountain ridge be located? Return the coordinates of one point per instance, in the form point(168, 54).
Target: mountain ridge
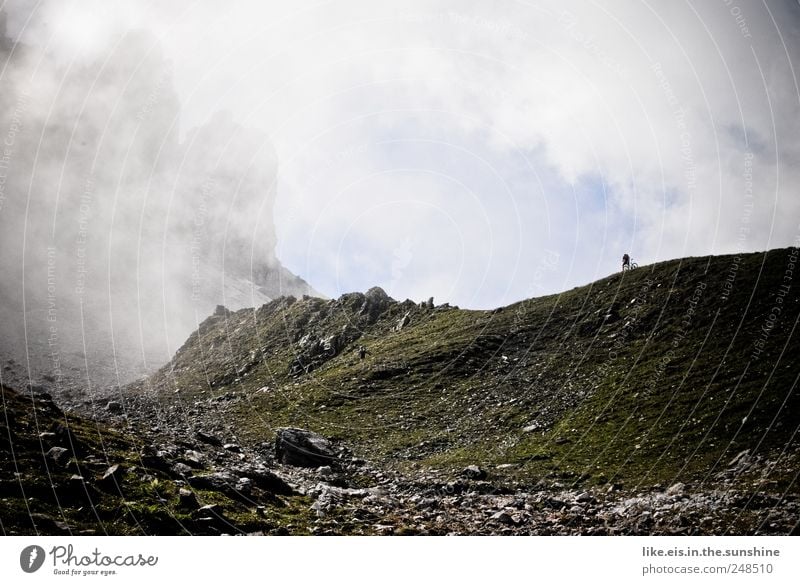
point(640, 404)
point(537, 364)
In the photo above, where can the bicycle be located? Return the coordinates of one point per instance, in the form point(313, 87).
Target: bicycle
point(631, 266)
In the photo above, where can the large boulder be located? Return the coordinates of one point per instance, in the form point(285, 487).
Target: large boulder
point(303, 448)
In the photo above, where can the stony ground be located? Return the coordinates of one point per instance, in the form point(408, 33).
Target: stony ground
point(353, 496)
point(196, 478)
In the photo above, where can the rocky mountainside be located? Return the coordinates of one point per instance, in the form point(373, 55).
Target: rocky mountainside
point(658, 401)
point(678, 376)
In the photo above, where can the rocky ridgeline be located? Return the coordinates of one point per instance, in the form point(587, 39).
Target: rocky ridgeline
point(290, 337)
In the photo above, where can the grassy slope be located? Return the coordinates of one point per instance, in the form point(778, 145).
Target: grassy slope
point(627, 379)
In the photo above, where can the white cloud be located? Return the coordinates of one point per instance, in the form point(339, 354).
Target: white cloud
point(508, 111)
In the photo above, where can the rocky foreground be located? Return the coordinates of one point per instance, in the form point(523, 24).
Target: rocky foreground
point(473, 504)
point(303, 483)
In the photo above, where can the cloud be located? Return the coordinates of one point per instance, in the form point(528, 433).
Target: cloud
point(120, 232)
point(480, 138)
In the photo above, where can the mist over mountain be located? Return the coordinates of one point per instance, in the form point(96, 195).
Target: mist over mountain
point(119, 233)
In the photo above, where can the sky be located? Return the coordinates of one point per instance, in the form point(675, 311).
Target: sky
point(482, 152)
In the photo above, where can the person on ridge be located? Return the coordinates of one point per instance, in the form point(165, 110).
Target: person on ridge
point(626, 261)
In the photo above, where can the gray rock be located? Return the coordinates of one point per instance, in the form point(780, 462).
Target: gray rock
point(64, 436)
point(219, 481)
point(741, 455)
point(114, 407)
point(325, 472)
point(186, 498)
point(741, 461)
point(208, 439)
point(58, 455)
point(113, 473)
point(213, 509)
point(314, 352)
point(111, 481)
point(232, 447)
point(48, 524)
point(303, 448)
point(77, 491)
point(376, 301)
point(181, 469)
point(320, 508)
point(676, 489)
point(193, 458)
point(474, 472)
point(271, 482)
point(406, 319)
point(244, 486)
point(502, 517)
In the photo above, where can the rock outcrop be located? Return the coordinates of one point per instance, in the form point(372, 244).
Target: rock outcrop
point(304, 448)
